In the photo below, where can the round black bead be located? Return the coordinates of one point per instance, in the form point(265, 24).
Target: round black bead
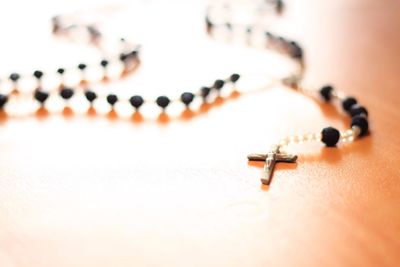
point(14, 77)
point(38, 74)
point(41, 96)
point(90, 95)
point(82, 66)
point(234, 77)
point(218, 84)
point(60, 71)
point(326, 92)
point(3, 100)
point(361, 122)
point(104, 63)
point(136, 101)
point(123, 57)
point(163, 101)
point(205, 91)
point(187, 98)
point(348, 102)
point(358, 110)
point(66, 93)
point(330, 136)
point(112, 99)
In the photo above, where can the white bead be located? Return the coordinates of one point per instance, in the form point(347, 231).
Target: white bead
point(356, 131)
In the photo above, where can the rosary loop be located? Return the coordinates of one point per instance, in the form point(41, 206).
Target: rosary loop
point(217, 19)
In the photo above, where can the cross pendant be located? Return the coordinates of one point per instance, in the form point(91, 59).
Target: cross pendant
point(271, 158)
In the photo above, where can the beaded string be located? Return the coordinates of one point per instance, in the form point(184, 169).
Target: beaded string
point(129, 56)
point(68, 27)
point(330, 136)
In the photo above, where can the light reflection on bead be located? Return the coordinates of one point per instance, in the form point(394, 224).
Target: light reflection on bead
point(349, 135)
point(300, 138)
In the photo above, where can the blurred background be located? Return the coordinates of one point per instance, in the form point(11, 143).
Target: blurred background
point(107, 188)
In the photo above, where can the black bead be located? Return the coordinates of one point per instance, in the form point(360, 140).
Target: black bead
point(112, 99)
point(124, 57)
point(218, 84)
point(90, 95)
point(82, 66)
point(295, 50)
point(104, 63)
point(348, 102)
point(209, 24)
point(358, 110)
point(187, 98)
point(3, 100)
point(361, 122)
point(330, 136)
point(326, 92)
point(136, 101)
point(279, 6)
point(41, 96)
point(234, 77)
point(38, 74)
point(133, 54)
point(66, 93)
point(14, 77)
point(163, 101)
point(60, 71)
point(205, 91)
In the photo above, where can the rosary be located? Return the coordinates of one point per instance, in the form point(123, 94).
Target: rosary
point(128, 56)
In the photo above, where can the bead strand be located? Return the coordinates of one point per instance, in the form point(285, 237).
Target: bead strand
point(136, 101)
point(272, 41)
point(128, 64)
point(330, 136)
point(300, 138)
point(359, 114)
point(66, 26)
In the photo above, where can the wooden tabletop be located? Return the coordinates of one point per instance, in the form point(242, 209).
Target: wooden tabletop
point(112, 189)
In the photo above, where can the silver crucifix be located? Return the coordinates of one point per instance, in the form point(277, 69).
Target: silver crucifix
point(273, 156)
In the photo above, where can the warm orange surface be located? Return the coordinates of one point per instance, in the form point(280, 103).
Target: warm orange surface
point(103, 190)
